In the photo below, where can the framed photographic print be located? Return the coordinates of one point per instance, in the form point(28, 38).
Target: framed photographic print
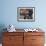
point(26, 14)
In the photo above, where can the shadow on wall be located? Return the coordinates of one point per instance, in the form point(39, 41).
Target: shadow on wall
point(2, 26)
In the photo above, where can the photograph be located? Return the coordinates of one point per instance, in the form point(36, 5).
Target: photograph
point(26, 14)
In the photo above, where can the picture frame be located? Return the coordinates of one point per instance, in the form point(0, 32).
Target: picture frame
point(26, 14)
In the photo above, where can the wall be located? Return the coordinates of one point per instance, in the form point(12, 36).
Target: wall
point(9, 13)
